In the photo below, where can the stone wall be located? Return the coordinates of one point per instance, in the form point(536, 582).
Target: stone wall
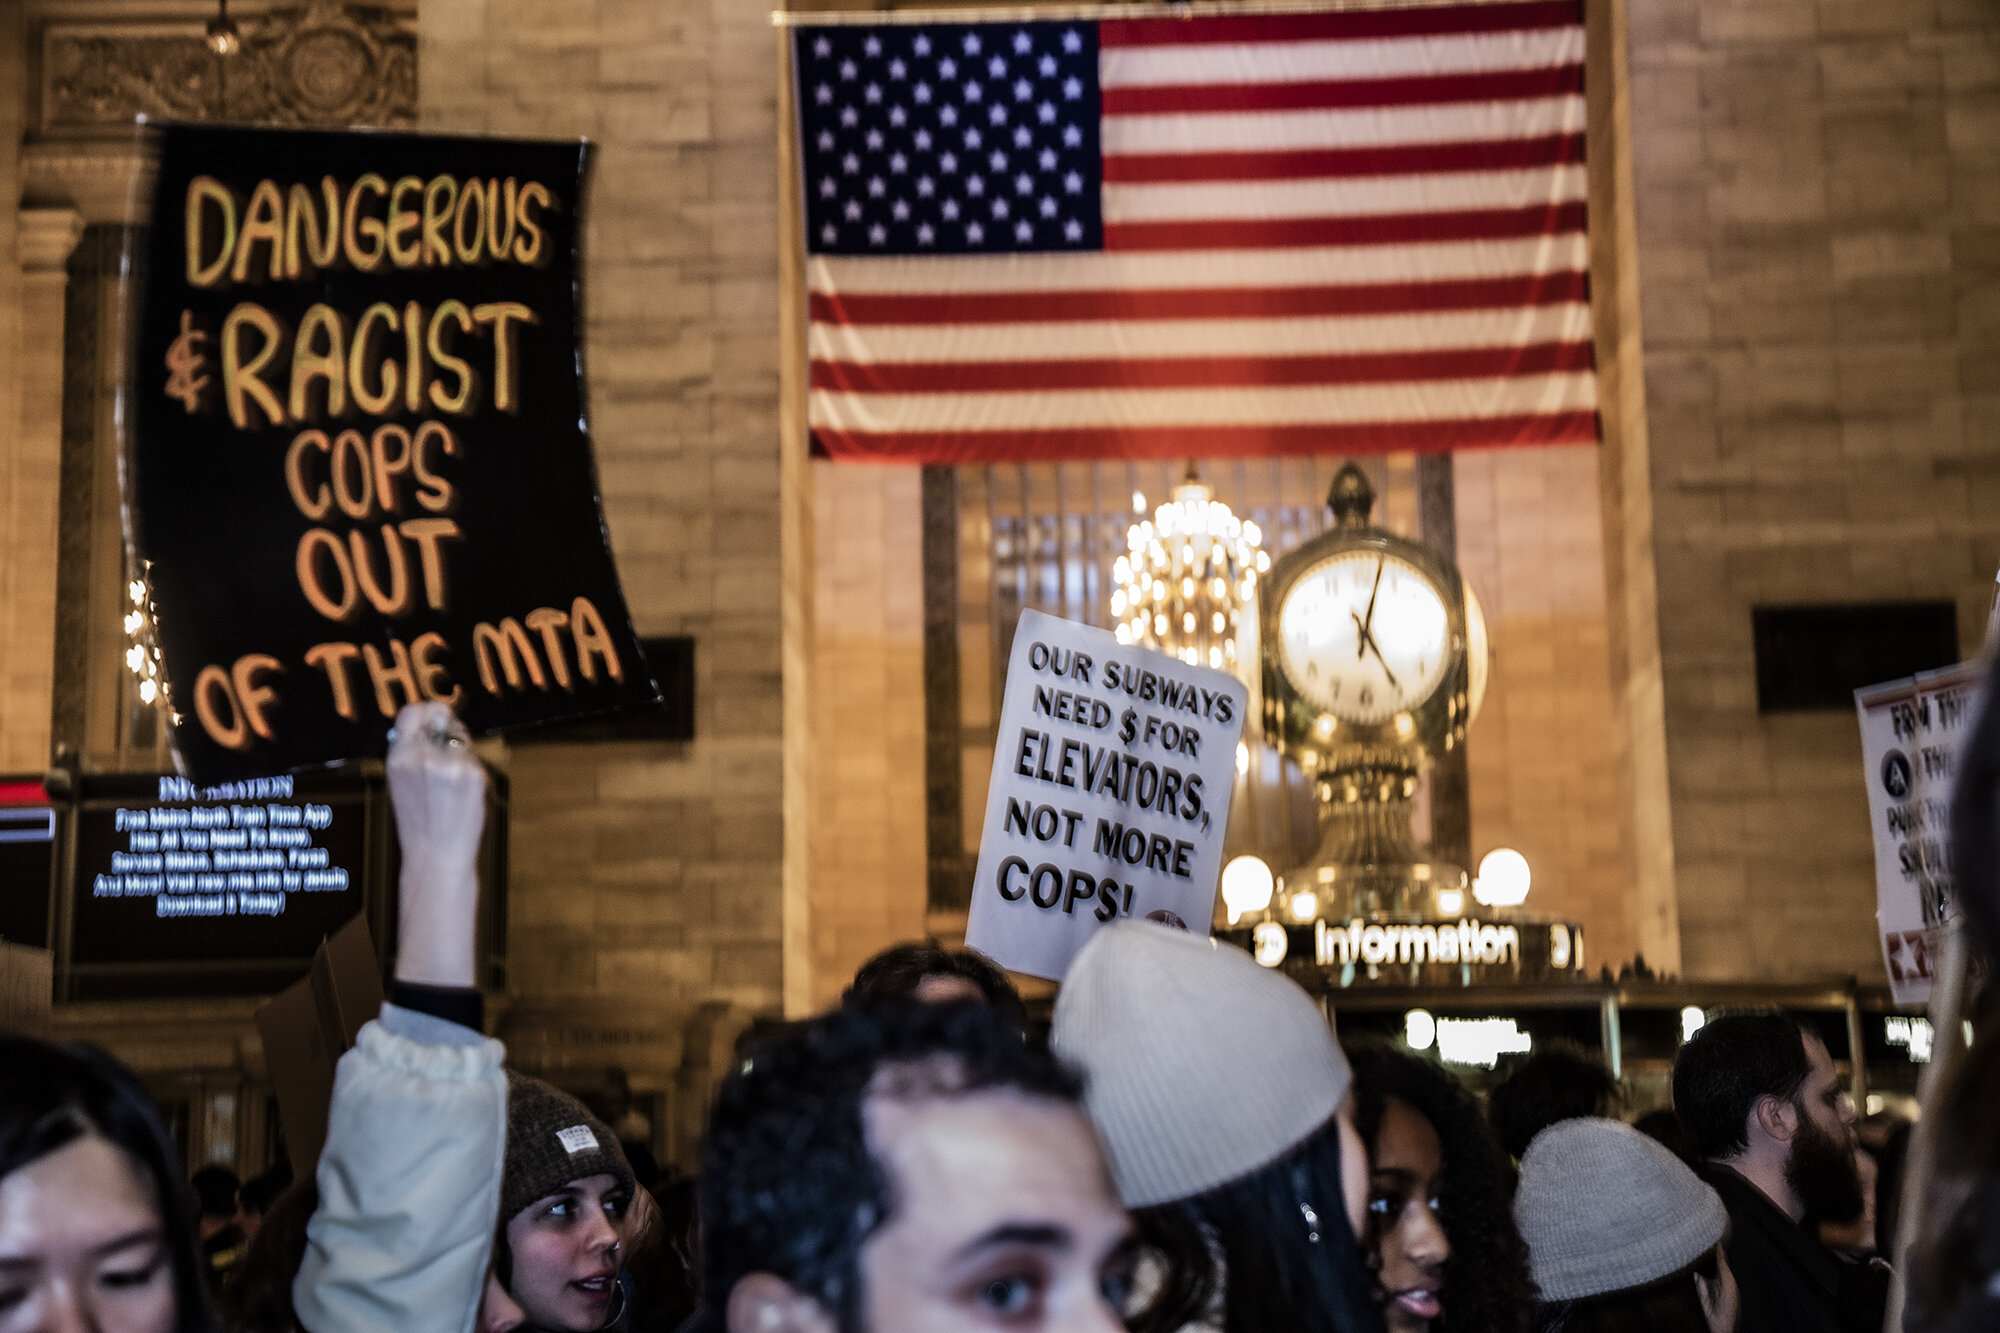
point(1818, 207)
point(646, 878)
point(27, 469)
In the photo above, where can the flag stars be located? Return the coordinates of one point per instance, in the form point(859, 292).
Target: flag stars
point(1047, 67)
point(849, 117)
point(1024, 231)
point(822, 47)
point(829, 234)
point(997, 160)
point(949, 212)
point(923, 141)
point(1022, 45)
point(996, 68)
point(1072, 42)
point(947, 115)
point(898, 117)
point(898, 163)
point(1000, 210)
point(1072, 137)
point(823, 94)
point(1024, 184)
point(1072, 231)
point(874, 141)
point(873, 94)
point(973, 92)
point(974, 233)
point(878, 234)
point(926, 187)
point(1023, 90)
point(827, 188)
point(850, 164)
point(853, 210)
point(971, 44)
point(926, 234)
point(872, 47)
point(1023, 136)
point(1073, 183)
point(848, 70)
point(921, 46)
point(826, 141)
point(973, 140)
point(898, 70)
point(1048, 206)
point(876, 187)
point(900, 210)
point(921, 94)
point(948, 163)
point(1072, 88)
point(1046, 113)
point(1047, 161)
point(975, 186)
point(947, 69)
point(996, 114)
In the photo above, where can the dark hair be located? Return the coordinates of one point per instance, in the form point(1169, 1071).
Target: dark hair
point(257, 1294)
point(215, 1190)
point(55, 1095)
point(1664, 1128)
point(1670, 1305)
point(897, 971)
point(788, 1185)
point(1279, 1237)
point(1558, 1081)
point(1486, 1280)
point(1724, 1069)
point(258, 1193)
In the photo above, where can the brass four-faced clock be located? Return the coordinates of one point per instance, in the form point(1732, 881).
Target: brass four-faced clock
point(1374, 660)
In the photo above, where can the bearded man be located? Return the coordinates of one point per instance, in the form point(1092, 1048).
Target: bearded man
point(1773, 1132)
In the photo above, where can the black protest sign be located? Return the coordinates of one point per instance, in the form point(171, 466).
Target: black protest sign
point(360, 473)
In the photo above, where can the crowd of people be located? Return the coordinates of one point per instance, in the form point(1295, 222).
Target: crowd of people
point(1189, 1147)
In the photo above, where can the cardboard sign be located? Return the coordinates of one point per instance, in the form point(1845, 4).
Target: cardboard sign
point(360, 473)
point(1110, 794)
point(308, 1026)
point(1911, 731)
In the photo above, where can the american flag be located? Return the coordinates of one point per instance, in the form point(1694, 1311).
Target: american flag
point(1159, 237)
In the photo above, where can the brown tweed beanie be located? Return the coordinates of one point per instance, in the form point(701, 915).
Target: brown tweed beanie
point(552, 1139)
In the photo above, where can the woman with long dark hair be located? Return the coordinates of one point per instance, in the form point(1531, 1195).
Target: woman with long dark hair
point(1440, 1229)
point(96, 1226)
point(1222, 1100)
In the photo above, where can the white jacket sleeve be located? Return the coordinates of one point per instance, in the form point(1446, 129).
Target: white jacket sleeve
point(409, 1182)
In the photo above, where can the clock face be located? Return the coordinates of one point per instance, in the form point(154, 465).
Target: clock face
point(1364, 636)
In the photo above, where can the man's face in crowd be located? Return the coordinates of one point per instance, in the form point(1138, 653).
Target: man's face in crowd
point(1821, 1169)
point(1004, 1218)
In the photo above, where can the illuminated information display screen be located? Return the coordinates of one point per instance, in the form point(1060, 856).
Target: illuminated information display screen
point(246, 873)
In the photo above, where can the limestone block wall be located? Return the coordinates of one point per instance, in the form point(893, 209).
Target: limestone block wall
point(27, 478)
point(1818, 211)
point(646, 878)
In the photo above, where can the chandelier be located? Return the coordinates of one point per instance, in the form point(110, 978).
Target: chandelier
point(141, 657)
point(1187, 574)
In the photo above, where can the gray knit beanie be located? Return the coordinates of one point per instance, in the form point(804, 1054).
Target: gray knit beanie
point(1199, 1066)
point(552, 1139)
point(1604, 1207)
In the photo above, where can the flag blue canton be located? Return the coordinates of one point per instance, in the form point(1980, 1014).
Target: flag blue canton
point(950, 138)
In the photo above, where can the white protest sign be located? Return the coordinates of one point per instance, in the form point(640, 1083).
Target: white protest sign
point(1110, 794)
point(1911, 730)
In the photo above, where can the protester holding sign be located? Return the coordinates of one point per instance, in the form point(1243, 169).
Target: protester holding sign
point(1223, 1102)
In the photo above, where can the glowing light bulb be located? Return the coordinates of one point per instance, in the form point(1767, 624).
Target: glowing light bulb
point(1247, 883)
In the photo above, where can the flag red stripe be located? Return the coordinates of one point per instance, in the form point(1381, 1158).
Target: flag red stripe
point(1330, 94)
point(1410, 22)
point(1182, 441)
point(1309, 163)
point(1200, 302)
point(1249, 372)
point(23, 793)
point(1380, 229)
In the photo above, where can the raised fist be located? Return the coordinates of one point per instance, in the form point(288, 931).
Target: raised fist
point(438, 788)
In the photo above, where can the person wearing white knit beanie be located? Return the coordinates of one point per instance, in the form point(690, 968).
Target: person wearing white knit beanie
point(1223, 1103)
point(1622, 1236)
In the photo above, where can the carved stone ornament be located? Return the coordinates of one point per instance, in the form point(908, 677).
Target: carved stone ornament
point(321, 63)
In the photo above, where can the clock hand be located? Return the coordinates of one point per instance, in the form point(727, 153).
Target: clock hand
point(1370, 640)
point(1368, 621)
